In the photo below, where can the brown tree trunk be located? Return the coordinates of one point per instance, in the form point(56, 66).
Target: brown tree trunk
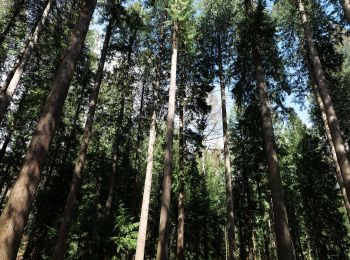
point(322, 84)
point(141, 238)
point(13, 77)
point(285, 248)
point(163, 240)
point(72, 201)
point(181, 198)
point(10, 24)
point(346, 8)
point(228, 178)
point(16, 211)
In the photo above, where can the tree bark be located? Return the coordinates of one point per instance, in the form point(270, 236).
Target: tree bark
point(285, 248)
point(16, 211)
point(346, 8)
point(72, 201)
point(141, 238)
point(181, 197)
point(228, 178)
point(163, 240)
point(10, 24)
point(14, 75)
point(322, 84)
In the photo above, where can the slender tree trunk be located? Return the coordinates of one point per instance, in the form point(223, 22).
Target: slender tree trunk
point(338, 174)
point(13, 77)
point(16, 211)
point(181, 199)
point(115, 156)
point(10, 24)
point(285, 248)
point(322, 84)
point(346, 8)
point(329, 138)
point(141, 238)
point(119, 123)
point(162, 251)
point(72, 201)
point(229, 202)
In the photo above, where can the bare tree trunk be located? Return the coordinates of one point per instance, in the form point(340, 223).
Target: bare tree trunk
point(346, 8)
point(13, 77)
point(10, 24)
point(162, 251)
point(16, 211)
point(228, 178)
point(181, 198)
point(141, 238)
point(72, 201)
point(285, 248)
point(322, 84)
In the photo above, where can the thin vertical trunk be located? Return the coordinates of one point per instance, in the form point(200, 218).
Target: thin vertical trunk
point(285, 248)
point(329, 138)
point(141, 238)
point(16, 211)
point(322, 84)
point(229, 202)
point(119, 122)
point(163, 240)
point(181, 199)
point(115, 156)
point(11, 82)
point(72, 201)
point(346, 8)
point(10, 24)
point(338, 174)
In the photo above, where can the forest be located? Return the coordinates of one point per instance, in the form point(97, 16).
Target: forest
point(175, 129)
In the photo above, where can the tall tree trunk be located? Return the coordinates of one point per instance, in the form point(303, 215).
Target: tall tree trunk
point(329, 137)
point(141, 238)
point(74, 190)
point(285, 248)
point(10, 24)
point(181, 197)
point(163, 240)
point(228, 178)
point(338, 174)
point(119, 122)
point(115, 155)
point(322, 84)
point(16, 211)
point(13, 77)
point(346, 8)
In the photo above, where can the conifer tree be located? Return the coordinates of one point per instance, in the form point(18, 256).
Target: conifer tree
point(16, 211)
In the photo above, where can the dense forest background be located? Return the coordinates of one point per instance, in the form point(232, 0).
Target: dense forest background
point(170, 129)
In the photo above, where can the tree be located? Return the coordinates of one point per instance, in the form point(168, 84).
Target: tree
point(326, 98)
point(141, 238)
point(16, 8)
point(261, 26)
point(14, 75)
point(16, 211)
point(76, 180)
